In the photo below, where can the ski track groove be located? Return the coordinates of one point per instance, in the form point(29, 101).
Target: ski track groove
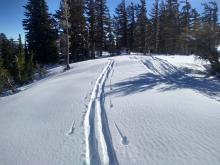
point(96, 107)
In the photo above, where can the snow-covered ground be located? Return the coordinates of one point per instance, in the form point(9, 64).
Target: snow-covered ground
point(119, 110)
point(218, 48)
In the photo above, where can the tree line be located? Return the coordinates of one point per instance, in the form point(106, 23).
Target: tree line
point(85, 29)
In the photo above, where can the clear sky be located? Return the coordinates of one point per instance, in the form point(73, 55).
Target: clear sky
point(12, 11)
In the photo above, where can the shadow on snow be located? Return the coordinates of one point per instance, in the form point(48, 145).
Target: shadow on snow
point(172, 77)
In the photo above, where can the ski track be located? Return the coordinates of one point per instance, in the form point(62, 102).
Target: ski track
point(96, 107)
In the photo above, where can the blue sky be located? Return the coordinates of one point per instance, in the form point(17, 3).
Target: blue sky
point(11, 13)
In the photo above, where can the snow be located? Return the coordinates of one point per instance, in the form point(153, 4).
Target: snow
point(218, 48)
point(129, 110)
point(34, 122)
point(95, 104)
point(169, 116)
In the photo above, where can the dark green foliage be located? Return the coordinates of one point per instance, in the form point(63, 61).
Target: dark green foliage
point(16, 66)
point(40, 32)
point(102, 25)
point(169, 23)
point(121, 26)
point(131, 26)
point(185, 27)
point(5, 79)
point(29, 65)
point(109, 42)
point(63, 26)
point(142, 28)
point(206, 37)
point(91, 19)
point(78, 31)
point(155, 27)
point(90, 29)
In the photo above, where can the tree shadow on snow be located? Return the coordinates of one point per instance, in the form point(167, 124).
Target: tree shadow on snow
point(172, 78)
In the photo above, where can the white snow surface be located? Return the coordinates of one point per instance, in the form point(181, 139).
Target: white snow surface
point(127, 110)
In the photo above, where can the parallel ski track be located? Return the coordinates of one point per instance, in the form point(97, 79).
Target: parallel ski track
point(96, 107)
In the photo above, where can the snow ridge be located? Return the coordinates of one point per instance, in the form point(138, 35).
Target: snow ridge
point(96, 105)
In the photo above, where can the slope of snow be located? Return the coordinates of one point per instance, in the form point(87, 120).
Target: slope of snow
point(168, 115)
point(43, 124)
point(121, 110)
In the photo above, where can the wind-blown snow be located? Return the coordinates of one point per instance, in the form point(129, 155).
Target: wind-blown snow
point(121, 110)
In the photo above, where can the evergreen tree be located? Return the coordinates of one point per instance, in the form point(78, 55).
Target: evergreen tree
point(3, 71)
point(131, 26)
point(196, 21)
point(102, 19)
point(206, 37)
point(185, 27)
point(142, 37)
point(109, 39)
point(121, 26)
point(29, 64)
point(5, 79)
point(209, 13)
point(171, 26)
point(7, 59)
point(63, 15)
point(8, 52)
point(195, 28)
point(91, 19)
point(210, 20)
point(78, 31)
point(20, 62)
point(162, 20)
point(40, 33)
point(185, 17)
point(155, 26)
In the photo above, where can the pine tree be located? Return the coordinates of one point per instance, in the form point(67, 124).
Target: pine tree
point(162, 34)
point(210, 19)
point(195, 28)
point(142, 31)
point(131, 26)
point(206, 37)
point(121, 26)
point(102, 19)
point(78, 31)
point(91, 19)
point(185, 27)
point(7, 61)
point(13, 62)
point(171, 29)
point(63, 15)
point(5, 79)
point(40, 32)
point(196, 21)
point(109, 39)
point(155, 26)
point(20, 62)
point(8, 53)
point(29, 64)
point(3, 71)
